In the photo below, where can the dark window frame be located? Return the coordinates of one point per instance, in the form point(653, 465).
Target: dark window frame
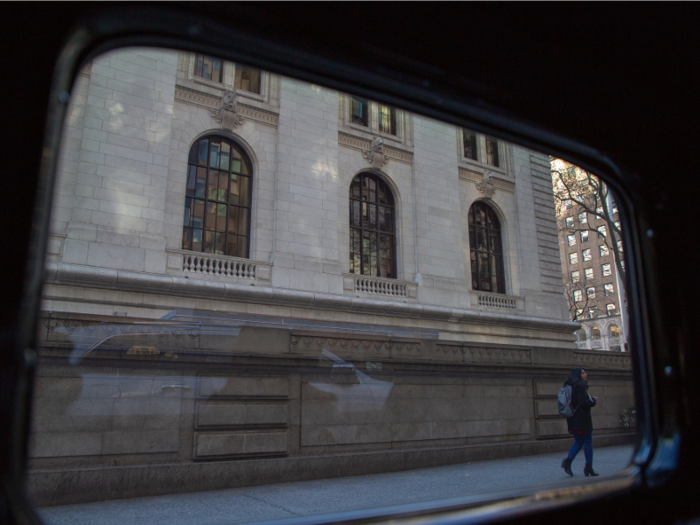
point(238, 71)
point(198, 68)
point(492, 151)
point(470, 145)
point(495, 271)
point(365, 193)
point(361, 118)
point(206, 199)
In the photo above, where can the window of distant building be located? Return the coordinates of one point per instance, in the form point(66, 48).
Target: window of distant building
point(218, 198)
point(571, 239)
point(247, 78)
point(573, 258)
point(588, 272)
point(590, 292)
point(609, 290)
point(593, 313)
point(604, 250)
point(485, 249)
point(569, 222)
point(208, 67)
point(575, 276)
point(586, 254)
point(582, 218)
point(470, 144)
point(602, 232)
point(372, 232)
point(359, 111)
point(607, 270)
point(584, 236)
point(567, 204)
point(581, 335)
point(611, 309)
point(387, 119)
point(579, 311)
point(622, 264)
point(578, 297)
point(619, 245)
point(492, 152)
point(595, 331)
point(614, 330)
point(599, 212)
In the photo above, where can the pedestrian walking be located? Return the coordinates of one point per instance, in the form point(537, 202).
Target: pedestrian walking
point(580, 423)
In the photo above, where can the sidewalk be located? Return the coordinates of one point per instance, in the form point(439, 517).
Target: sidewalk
point(309, 498)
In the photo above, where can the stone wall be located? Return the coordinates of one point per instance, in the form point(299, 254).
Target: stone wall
point(144, 408)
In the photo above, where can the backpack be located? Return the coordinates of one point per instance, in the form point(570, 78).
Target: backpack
point(564, 404)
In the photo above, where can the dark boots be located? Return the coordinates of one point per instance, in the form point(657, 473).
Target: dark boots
point(566, 465)
point(588, 470)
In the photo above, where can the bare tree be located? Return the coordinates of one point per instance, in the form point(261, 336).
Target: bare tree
point(591, 195)
point(570, 290)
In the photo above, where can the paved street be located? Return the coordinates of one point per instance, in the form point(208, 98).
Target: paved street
point(309, 498)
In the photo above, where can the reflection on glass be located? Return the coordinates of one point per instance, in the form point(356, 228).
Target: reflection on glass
point(398, 303)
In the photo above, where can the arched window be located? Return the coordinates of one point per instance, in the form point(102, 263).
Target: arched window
point(581, 335)
point(486, 250)
point(614, 330)
point(372, 232)
point(217, 198)
point(595, 333)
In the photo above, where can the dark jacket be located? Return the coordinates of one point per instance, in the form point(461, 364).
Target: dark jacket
point(581, 420)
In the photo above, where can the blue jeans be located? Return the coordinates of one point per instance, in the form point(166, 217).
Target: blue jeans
point(584, 441)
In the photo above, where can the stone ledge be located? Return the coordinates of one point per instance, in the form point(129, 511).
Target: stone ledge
point(51, 487)
point(123, 280)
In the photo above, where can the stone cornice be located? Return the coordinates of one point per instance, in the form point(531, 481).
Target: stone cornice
point(352, 141)
point(206, 100)
point(128, 281)
point(476, 178)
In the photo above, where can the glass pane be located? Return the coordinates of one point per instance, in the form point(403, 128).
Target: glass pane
point(198, 214)
point(374, 248)
point(222, 187)
point(355, 214)
point(232, 246)
point(187, 238)
point(209, 241)
point(366, 265)
point(243, 245)
point(469, 144)
point(373, 216)
point(245, 190)
point(232, 220)
point(197, 240)
point(201, 182)
point(355, 188)
point(221, 217)
point(191, 181)
point(235, 190)
point(186, 218)
point(203, 151)
point(210, 218)
point(247, 78)
point(215, 147)
point(225, 158)
point(238, 164)
point(386, 219)
point(219, 243)
point(243, 214)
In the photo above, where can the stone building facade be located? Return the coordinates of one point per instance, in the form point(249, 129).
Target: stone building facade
point(206, 301)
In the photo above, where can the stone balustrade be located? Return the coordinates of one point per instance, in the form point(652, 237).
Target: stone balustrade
point(494, 301)
point(381, 286)
point(220, 267)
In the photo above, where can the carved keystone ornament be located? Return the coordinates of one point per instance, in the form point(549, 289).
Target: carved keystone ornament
point(486, 186)
point(375, 155)
point(227, 115)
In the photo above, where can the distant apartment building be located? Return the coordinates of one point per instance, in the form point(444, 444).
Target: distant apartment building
point(589, 271)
